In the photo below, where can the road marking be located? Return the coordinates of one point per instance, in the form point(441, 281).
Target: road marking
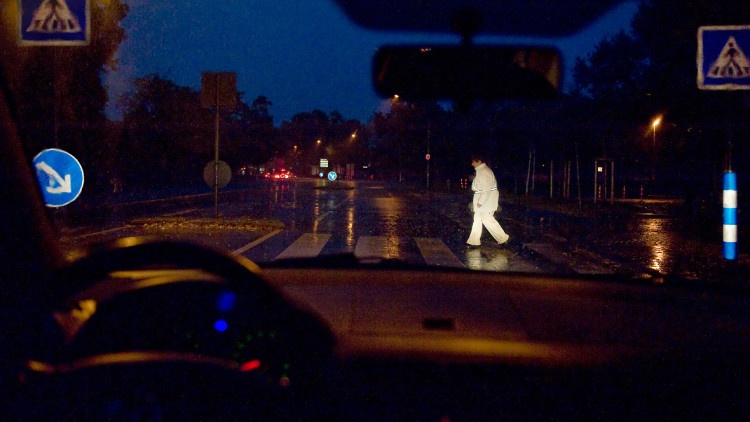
point(308, 245)
point(436, 253)
point(255, 243)
point(349, 198)
point(180, 212)
point(574, 261)
point(547, 235)
point(100, 232)
point(375, 247)
point(327, 213)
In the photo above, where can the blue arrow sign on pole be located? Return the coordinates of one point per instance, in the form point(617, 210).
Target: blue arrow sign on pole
point(60, 176)
point(722, 60)
point(332, 176)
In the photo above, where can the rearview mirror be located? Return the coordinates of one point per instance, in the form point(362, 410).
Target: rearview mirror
point(466, 72)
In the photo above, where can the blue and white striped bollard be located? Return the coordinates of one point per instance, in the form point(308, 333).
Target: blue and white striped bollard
point(730, 215)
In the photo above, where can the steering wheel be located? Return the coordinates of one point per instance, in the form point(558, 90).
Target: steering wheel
point(136, 253)
point(300, 335)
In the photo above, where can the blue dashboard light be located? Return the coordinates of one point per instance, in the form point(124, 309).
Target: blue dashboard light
point(226, 301)
point(220, 325)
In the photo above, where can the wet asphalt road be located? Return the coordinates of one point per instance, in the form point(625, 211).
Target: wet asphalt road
point(374, 221)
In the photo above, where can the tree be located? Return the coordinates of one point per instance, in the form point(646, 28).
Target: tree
point(251, 136)
point(63, 96)
point(167, 136)
point(651, 71)
point(168, 133)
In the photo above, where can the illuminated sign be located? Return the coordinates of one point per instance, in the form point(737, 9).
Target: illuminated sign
point(722, 61)
point(54, 22)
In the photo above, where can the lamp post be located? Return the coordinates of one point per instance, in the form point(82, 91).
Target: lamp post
point(654, 124)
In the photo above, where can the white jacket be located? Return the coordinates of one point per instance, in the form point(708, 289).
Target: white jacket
point(485, 190)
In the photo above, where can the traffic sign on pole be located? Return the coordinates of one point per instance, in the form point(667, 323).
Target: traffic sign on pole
point(218, 173)
point(723, 65)
point(721, 59)
point(54, 22)
point(219, 90)
point(60, 176)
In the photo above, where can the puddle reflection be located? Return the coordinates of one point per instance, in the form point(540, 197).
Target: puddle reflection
point(654, 235)
point(476, 259)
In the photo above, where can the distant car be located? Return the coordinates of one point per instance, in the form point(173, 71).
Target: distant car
point(280, 175)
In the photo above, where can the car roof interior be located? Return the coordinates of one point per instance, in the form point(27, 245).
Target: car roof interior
point(506, 17)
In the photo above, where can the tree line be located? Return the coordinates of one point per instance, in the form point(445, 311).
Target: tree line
point(165, 136)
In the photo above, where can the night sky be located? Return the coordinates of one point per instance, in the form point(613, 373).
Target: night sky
point(301, 54)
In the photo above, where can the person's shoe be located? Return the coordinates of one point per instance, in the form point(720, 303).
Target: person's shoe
point(504, 244)
point(469, 246)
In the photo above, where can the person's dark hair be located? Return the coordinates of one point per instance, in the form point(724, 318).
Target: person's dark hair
point(479, 157)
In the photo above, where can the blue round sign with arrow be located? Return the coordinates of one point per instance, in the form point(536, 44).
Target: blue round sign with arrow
point(60, 176)
point(332, 176)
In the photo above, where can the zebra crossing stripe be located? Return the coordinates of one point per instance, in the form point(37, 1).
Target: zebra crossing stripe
point(436, 253)
point(375, 247)
point(308, 245)
point(255, 243)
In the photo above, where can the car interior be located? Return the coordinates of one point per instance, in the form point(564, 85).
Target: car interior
point(145, 328)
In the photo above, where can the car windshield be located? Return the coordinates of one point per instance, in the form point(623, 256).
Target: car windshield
point(255, 128)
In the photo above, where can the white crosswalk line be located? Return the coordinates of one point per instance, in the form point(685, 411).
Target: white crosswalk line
point(308, 245)
point(371, 247)
point(436, 253)
point(255, 243)
point(376, 247)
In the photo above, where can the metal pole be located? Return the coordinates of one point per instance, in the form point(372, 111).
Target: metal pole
point(551, 176)
point(612, 183)
point(533, 173)
point(653, 164)
point(216, 152)
point(428, 154)
point(528, 174)
point(578, 178)
point(596, 177)
point(729, 195)
point(398, 145)
point(56, 84)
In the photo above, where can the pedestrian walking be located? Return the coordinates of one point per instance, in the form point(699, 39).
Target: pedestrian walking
point(484, 204)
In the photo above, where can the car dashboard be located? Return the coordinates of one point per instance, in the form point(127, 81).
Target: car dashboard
point(228, 340)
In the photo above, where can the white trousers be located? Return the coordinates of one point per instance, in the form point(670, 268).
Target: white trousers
point(488, 220)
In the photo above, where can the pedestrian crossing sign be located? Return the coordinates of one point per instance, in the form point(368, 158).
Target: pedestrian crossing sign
point(54, 22)
point(722, 60)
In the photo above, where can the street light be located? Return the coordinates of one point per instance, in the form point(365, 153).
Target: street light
point(654, 124)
